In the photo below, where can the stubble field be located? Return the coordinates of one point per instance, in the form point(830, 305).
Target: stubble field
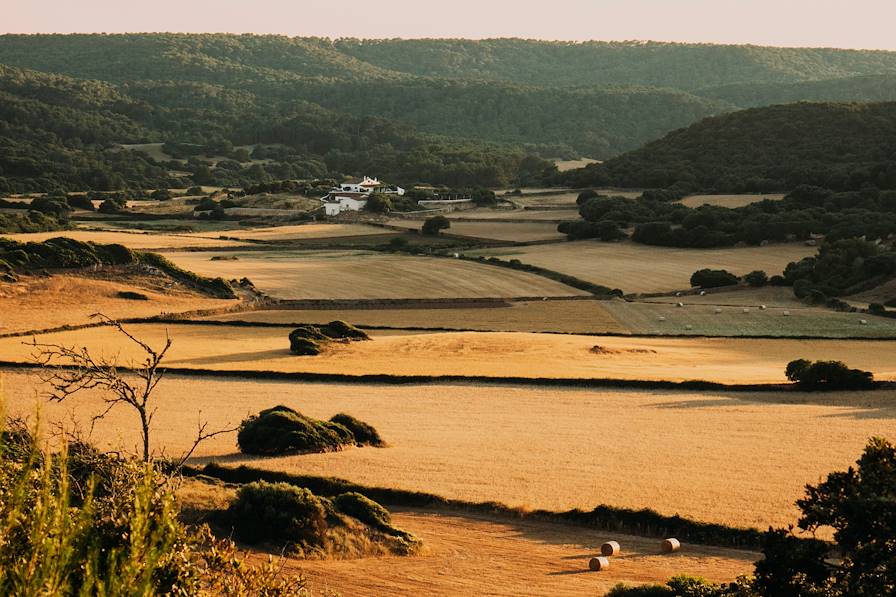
point(735, 458)
point(641, 268)
point(362, 275)
point(486, 354)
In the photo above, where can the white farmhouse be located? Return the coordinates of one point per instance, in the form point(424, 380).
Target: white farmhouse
point(352, 196)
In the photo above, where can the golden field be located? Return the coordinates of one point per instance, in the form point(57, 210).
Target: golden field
point(140, 240)
point(362, 274)
point(729, 201)
point(296, 232)
point(37, 303)
point(517, 215)
point(734, 458)
point(476, 555)
point(641, 268)
point(572, 316)
point(488, 354)
point(522, 231)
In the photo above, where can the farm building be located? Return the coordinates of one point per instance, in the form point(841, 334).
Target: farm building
point(352, 196)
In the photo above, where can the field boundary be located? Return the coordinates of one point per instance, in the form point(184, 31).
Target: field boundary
point(398, 380)
point(643, 522)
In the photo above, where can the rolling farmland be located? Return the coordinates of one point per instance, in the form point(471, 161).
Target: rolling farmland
point(641, 268)
point(362, 275)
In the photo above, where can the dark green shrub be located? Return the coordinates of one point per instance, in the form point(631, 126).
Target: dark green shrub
point(364, 434)
point(278, 513)
point(281, 430)
point(713, 278)
point(309, 340)
point(432, 226)
point(399, 242)
point(827, 375)
point(365, 510)
point(756, 278)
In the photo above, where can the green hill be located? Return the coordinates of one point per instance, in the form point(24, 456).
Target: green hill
point(444, 111)
point(836, 146)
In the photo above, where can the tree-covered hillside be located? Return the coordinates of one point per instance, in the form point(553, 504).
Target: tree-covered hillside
point(835, 146)
point(457, 112)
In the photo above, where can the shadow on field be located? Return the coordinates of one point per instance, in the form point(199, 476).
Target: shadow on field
point(880, 404)
point(255, 356)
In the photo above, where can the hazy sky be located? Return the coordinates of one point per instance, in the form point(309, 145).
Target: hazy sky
point(834, 23)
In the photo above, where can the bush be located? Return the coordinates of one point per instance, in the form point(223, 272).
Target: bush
point(398, 243)
point(586, 196)
point(278, 513)
point(364, 509)
point(109, 207)
point(364, 434)
point(378, 203)
point(435, 224)
point(827, 375)
point(131, 296)
point(309, 340)
point(756, 278)
point(282, 430)
point(713, 278)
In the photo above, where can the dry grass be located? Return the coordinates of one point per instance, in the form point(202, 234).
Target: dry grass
point(580, 316)
point(487, 556)
point(360, 274)
point(727, 360)
point(645, 318)
point(641, 268)
point(511, 231)
point(40, 303)
point(565, 165)
point(739, 459)
point(729, 201)
point(135, 240)
point(298, 232)
point(520, 215)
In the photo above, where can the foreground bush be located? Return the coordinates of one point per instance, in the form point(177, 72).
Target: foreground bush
point(282, 430)
point(294, 518)
point(683, 586)
point(828, 375)
point(85, 523)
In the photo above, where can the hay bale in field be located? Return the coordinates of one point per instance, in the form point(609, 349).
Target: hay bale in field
point(680, 305)
point(746, 310)
point(786, 313)
point(610, 548)
point(762, 307)
point(863, 322)
point(717, 310)
point(688, 327)
point(661, 318)
point(598, 564)
point(670, 545)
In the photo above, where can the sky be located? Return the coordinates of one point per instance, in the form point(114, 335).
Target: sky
point(821, 23)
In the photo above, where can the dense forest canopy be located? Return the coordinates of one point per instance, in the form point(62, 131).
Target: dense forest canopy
point(835, 146)
point(456, 112)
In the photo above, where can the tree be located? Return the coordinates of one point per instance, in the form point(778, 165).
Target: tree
point(860, 505)
point(378, 203)
point(827, 375)
point(432, 226)
point(713, 278)
point(70, 370)
point(756, 278)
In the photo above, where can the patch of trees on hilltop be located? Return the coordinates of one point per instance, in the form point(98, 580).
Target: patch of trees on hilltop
point(837, 146)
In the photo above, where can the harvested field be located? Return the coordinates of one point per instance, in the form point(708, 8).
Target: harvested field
point(36, 303)
point(734, 458)
point(141, 240)
point(579, 316)
point(745, 296)
point(298, 232)
point(362, 274)
point(508, 231)
point(662, 319)
point(641, 268)
point(488, 556)
point(565, 165)
point(729, 201)
point(490, 354)
point(517, 215)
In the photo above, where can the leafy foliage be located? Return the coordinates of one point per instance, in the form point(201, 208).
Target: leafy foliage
point(827, 375)
point(281, 430)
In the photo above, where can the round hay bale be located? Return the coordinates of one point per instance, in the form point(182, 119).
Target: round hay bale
point(662, 319)
point(610, 548)
point(762, 307)
point(680, 305)
point(718, 310)
point(599, 563)
point(863, 321)
point(786, 313)
point(688, 327)
point(671, 544)
point(746, 310)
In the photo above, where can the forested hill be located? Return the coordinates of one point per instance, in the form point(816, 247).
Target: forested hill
point(843, 146)
point(442, 111)
point(655, 64)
